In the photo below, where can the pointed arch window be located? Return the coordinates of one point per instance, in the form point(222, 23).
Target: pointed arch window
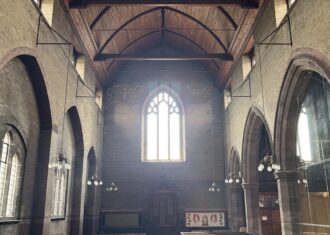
point(163, 127)
point(3, 170)
point(10, 174)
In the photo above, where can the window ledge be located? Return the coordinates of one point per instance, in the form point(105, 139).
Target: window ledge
point(57, 218)
point(166, 162)
point(9, 221)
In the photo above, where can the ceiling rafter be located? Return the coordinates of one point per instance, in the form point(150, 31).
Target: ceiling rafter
point(99, 16)
point(158, 31)
point(86, 3)
point(228, 16)
point(169, 9)
point(162, 56)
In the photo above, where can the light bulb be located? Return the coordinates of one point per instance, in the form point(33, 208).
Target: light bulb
point(269, 168)
point(116, 189)
point(96, 183)
point(110, 188)
point(89, 182)
point(218, 189)
point(261, 167)
point(101, 182)
point(213, 189)
point(237, 180)
point(298, 181)
point(230, 180)
point(276, 167)
point(226, 181)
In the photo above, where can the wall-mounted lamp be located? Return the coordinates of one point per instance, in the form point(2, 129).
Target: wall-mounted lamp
point(112, 187)
point(214, 187)
point(94, 180)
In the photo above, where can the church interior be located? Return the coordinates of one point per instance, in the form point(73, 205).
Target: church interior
point(165, 117)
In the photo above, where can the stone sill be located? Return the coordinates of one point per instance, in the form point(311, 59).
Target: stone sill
point(9, 221)
point(57, 218)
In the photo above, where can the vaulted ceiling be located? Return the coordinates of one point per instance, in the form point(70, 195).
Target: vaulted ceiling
point(215, 32)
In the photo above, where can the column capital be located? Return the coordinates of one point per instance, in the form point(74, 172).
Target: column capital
point(289, 175)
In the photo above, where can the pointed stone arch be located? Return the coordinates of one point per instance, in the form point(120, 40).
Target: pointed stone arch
point(255, 122)
point(28, 57)
point(294, 87)
point(76, 200)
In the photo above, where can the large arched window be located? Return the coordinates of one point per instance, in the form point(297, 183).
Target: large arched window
point(10, 173)
point(163, 139)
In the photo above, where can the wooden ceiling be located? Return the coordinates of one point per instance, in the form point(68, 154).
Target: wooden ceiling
point(113, 31)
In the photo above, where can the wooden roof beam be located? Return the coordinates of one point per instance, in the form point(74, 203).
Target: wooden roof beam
point(206, 56)
point(86, 3)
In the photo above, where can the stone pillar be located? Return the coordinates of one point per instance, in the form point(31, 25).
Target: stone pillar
point(237, 212)
point(288, 201)
point(251, 196)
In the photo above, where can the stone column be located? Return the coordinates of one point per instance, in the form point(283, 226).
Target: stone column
point(237, 211)
point(288, 201)
point(251, 196)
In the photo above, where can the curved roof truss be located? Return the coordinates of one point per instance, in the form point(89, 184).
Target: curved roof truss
point(160, 9)
point(159, 31)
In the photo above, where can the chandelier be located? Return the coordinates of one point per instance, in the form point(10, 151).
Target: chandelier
point(231, 178)
point(95, 180)
point(214, 187)
point(268, 163)
point(59, 162)
point(112, 187)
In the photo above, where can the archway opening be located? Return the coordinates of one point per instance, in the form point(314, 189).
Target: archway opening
point(90, 195)
point(268, 192)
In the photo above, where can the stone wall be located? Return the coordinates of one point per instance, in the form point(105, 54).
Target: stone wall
point(204, 140)
point(19, 101)
point(309, 30)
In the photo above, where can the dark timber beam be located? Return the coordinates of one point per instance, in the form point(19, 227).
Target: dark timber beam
point(215, 56)
point(86, 3)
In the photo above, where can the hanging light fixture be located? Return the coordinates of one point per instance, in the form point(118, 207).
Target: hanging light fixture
point(214, 187)
point(112, 187)
point(231, 178)
point(267, 162)
point(59, 162)
point(95, 180)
